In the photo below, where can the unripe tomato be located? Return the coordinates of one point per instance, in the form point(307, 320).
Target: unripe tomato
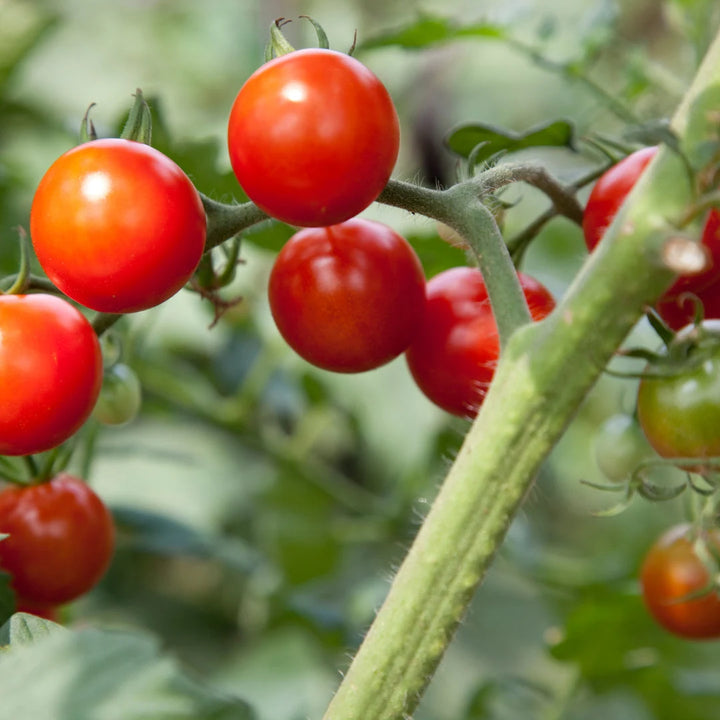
point(673, 578)
point(50, 372)
point(117, 225)
point(60, 540)
point(680, 413)
point(349, 297)
point(620, 446)
point(313, 137)
point(120, 396)
point(454, 355)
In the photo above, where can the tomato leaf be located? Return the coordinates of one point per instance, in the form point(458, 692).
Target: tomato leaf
point(25, 629)
point(430, 30)
point(7, 596)
point(109, 674)
point(467, 138)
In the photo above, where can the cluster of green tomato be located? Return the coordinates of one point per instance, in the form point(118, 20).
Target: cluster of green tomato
point(678, 417)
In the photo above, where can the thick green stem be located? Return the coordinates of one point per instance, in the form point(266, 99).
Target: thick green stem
point(541, 379)
point(460, 208)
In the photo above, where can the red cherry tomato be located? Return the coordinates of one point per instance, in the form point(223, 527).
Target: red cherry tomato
point(117, 225)
point(313, 137)
point(60, 540)
point(48, 612)
point(609, 193)
point(348, 297)
point(673, 578)
point(50, 372)
point(605, 200)
point(453, 357)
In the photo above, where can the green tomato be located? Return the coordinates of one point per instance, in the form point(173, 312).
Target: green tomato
point(680, 413)
point(120, 396)
point(620, 447)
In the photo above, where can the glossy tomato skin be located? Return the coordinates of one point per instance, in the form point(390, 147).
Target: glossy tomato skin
point(117, 225)
point(349, 297)
point(680, 413)
point(606, 197)
point(61, 539)
point(610, 191)
point(454, 355)
point(313, 137)
point(670, 573)
point(50, 372)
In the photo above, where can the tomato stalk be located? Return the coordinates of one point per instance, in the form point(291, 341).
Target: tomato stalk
point(542, 377)
point(460, 209)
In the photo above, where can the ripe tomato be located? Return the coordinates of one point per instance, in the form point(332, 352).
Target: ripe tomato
point(671, 572)
point(61, 539)
point(609, 193)
point(313, 137)
point(117, 225)
point(120, 396)
point(50, 372)
point(48, 612)
point(348, 297)
point(680, 413)
point(453, 357)
point(605, 200)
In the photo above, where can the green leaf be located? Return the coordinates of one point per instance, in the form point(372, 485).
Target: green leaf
point(467, 138)
point(152, 532)
point(108, 675)
point(23, 27)
point(7, 595)
point(25, 629)
point(431, 30)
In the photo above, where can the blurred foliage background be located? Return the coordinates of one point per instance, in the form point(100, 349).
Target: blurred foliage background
point(264, 504)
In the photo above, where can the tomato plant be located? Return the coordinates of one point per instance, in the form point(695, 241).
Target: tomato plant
point(605, 199)
point(117, 225)
point(50, 372)
point(620, 446)
point(677, 584)
point(454, 354)
point(60, 539)
point(313, 137)
point(348, 297)
point(120, 396)
point(679, 406)
point(609, 193)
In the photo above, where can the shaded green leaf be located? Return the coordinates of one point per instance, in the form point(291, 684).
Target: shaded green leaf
point(468, 138)
point(25, 629)
point(108, 675)
point(152, 532)
point(7, 596)
point(431, 30)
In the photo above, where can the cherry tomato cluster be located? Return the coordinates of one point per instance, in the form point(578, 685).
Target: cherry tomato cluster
point(313, 138)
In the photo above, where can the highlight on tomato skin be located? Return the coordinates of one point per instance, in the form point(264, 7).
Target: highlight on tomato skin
point(313, 137)
point(676, 584)
point(455, 352)
point(347, 298)
point(50, 372)
point(61, 539)
point(117, 226)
